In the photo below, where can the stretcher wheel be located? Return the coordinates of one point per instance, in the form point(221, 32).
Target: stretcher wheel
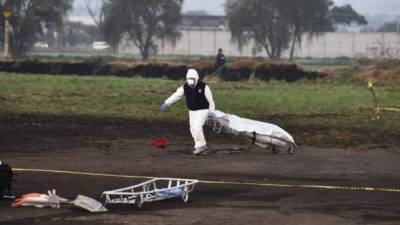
point(291, 150)
point(139, 202)
point(185, 196)
point(103, 200)
point(275, 149)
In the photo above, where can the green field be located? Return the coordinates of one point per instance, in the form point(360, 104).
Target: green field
point(340, 109)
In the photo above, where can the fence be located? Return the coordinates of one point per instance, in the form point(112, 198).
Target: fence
point(328, 45)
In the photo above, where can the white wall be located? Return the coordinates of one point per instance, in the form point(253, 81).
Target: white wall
point(329, 45)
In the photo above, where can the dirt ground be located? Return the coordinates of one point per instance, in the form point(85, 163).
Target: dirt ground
point(124, 147)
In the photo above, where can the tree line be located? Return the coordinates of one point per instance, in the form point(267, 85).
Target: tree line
point(275, 26)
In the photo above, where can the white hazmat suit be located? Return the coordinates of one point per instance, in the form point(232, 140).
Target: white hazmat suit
point(200, 103)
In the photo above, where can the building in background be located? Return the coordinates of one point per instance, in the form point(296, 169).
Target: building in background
point(203, 21)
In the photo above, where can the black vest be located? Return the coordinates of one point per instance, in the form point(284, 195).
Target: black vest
point(195, 97)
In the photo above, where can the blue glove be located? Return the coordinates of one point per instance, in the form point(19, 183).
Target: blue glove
point(164, 107)
point(211, 115)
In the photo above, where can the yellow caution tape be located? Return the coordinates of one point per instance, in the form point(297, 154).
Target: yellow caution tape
point(378, 109)
point(389, 109)
point(370, 85)
point(271, 185)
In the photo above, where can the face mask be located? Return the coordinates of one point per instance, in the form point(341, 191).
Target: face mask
point(190, 82)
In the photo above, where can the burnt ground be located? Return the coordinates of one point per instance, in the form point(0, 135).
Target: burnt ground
point(125, 147)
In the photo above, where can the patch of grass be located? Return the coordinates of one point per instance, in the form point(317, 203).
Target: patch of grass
point(320, 111)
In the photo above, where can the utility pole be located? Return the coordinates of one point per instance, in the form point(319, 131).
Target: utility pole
point(7, 14)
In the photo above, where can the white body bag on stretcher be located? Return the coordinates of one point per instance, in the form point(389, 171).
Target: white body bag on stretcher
point(264, 135)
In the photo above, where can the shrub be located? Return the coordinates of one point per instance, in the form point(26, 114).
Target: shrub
point(237, 71)
point(364, 61)
point(204, 68)
point(379, 75)
point(175, 71)
point(343, 60)
point(283, 71)
point(240, 70)
point(386, 64)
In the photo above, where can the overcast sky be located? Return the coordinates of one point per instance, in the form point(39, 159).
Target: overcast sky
point(365, 7)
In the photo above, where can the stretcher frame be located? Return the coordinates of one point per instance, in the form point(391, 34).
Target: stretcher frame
point(221, 125)
point(149, 191)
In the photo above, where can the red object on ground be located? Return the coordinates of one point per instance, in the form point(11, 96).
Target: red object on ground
point(160, 143)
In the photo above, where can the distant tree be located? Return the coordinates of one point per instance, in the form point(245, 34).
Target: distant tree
point(311, 17)
point(277, 25)
point(97, 15)
point(261, 21)
point(110, 33)
point(345, 15)
point(77, 33)
point(32, 18)
point(390, 27)
point(142, 22)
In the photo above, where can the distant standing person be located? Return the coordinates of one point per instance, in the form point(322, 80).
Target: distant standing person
point(220, 63)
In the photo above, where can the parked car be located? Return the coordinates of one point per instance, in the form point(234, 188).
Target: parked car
point(41, 45)
point(100, 45)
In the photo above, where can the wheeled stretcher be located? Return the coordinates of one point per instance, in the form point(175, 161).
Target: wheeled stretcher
point(262, 134)
point(150, 191)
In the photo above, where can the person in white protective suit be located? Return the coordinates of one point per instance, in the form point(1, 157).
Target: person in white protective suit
point(200, 103)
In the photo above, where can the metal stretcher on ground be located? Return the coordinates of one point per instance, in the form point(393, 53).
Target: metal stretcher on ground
point(150, 191)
